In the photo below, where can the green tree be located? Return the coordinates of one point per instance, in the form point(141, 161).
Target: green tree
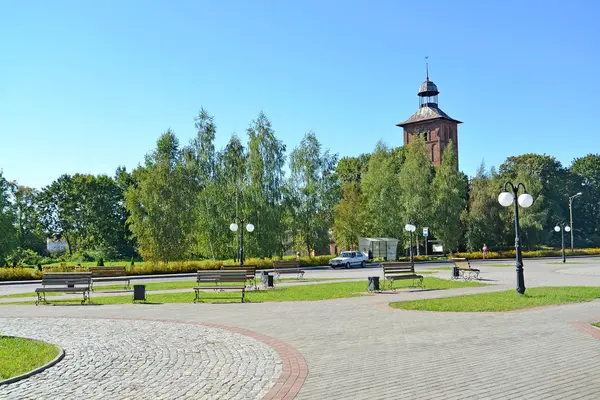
point(384, 214)
point(59, 211)
point(29, 232)
point(549, 183)
point(314, 185)
point(484, 225)
point(7, 220)
point(586, 209)
point(263, 200)
point(415, 182)
point(449, 192)
point(159, 203)
point(349, 217)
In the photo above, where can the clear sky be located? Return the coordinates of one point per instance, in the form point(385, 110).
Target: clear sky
point(86, 86)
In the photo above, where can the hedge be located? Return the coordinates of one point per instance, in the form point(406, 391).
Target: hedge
point(527, 254)
point(176, 267)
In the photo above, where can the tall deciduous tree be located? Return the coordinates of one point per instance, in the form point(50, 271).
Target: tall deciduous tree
point(449, 192)
point(7, 220)
point(484, 225)
point(263, 200)
point(29, 232)
point(161, 203)
point(384, 210)
point(415, 181)
point(314, 185)
point(586, 209)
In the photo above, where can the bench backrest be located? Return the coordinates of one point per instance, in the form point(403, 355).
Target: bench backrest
point(461, 263)
point(250, 269)
point(221, 276)
point(108, 271)
point(67, 278)
point(281, 264)
point(400, 267)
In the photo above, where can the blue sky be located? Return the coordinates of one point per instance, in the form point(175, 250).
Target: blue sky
point(86, 86)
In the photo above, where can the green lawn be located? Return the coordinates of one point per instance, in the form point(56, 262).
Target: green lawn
point(504, 301)
point(29, 294)
point(568, 262)
point(596, 324)
point(290, 293)
point(23, 355)
point(152, 286)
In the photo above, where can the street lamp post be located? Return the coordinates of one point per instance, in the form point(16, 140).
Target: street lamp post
point(411, 228)
point(525, 200)
point(565, 228)
point(234, 227)
point(571, 217)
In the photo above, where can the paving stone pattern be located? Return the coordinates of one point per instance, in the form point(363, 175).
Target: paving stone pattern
point(359, 348)
point(112, 359)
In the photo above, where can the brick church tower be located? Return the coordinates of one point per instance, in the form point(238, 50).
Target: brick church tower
point(432, 123)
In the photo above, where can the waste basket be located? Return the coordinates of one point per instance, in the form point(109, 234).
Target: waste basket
point(267, 279)
point(373, 283)
point(455, 272)
point(139, 292)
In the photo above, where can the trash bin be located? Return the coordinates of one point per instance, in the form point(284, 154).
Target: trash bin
point(267, 279)
point(139, 292)
point(373, 283)
point(455, 272)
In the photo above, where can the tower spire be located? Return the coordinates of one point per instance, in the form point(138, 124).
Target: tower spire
point(427, 66)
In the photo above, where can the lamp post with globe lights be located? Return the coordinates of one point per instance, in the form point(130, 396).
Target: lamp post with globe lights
point(571, 217)
point(525, 200)
point(411, 228)
point(565, 228)
point(234, 227)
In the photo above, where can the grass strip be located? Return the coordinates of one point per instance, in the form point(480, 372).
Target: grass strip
point(504, 301)
point(324, 291)
point(19, 355)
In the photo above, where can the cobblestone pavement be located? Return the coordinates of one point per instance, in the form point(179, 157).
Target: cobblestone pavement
point(112, 359)
point(358, 348)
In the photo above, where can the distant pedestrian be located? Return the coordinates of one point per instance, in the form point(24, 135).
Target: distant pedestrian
point(298, 256)
point(484, 251)
point(370, 255)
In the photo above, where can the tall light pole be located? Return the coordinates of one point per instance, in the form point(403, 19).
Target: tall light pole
point(411, 228)
point(571, 217)
point(234, 227)
point(565, 228)
point(525, 200)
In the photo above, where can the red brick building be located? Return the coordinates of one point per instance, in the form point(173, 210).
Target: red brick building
point(431, 122)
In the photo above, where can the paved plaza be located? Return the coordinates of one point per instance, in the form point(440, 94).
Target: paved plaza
point(355, 348)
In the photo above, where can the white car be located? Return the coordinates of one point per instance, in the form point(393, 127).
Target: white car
point(348, 259)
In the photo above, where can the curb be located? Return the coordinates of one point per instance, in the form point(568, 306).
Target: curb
point(60, 356)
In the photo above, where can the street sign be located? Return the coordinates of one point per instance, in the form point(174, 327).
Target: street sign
point(425, 232)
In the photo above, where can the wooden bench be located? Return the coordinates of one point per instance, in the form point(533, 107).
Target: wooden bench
point(393, 271)
point(281, 267)
point(112, 273)
point(64, 282)
point(250, 271)
point(213, 280)
point(464, 269)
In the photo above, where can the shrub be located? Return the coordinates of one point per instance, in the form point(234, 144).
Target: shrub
point(100, 262)
point(19, 274)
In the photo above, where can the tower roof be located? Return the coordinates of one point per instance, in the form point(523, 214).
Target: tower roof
point(428, 88)
point(426, 113)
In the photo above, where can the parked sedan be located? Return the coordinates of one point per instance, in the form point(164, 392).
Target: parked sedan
point(348, 259)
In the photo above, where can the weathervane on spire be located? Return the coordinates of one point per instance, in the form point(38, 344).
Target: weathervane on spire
point(427, 66)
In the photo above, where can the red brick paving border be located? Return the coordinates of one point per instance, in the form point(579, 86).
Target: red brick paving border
point(588, 328)
point(294, 367)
